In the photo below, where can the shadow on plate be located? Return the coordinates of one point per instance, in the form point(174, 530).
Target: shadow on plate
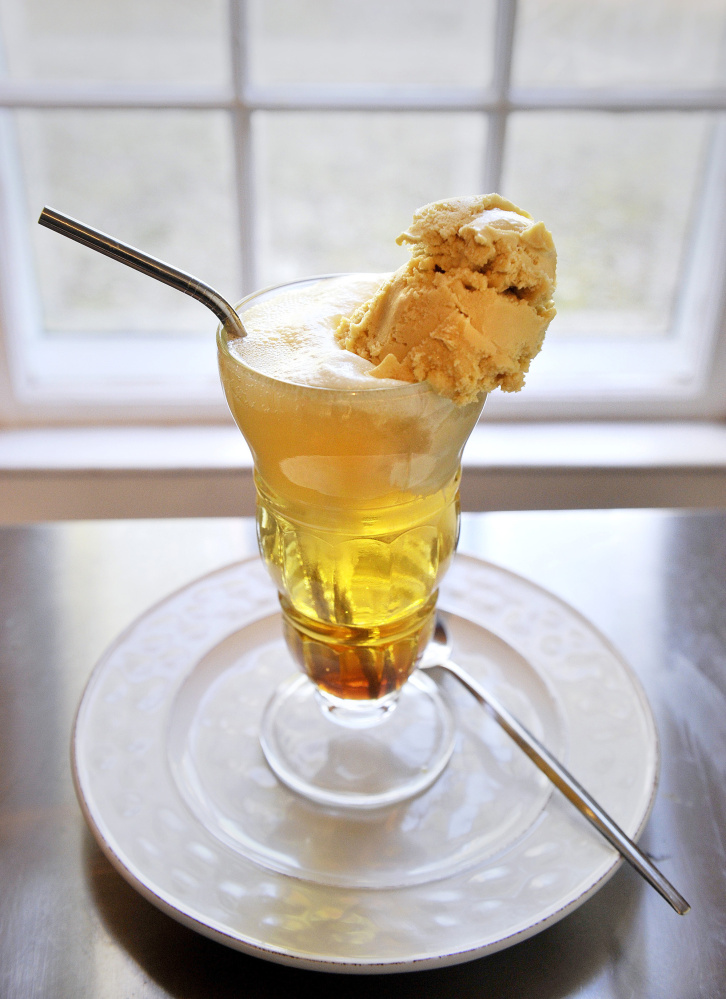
point(562, 960)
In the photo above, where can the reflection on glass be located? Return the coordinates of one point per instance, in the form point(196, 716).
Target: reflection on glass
point(619, 191)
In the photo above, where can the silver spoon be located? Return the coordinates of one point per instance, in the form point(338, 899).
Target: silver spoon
point(438, 656)
point(144, 262)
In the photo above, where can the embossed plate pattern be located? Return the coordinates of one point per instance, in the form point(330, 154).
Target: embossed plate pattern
point(583, 694)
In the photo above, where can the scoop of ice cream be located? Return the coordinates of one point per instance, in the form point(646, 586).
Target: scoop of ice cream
point(469, 311)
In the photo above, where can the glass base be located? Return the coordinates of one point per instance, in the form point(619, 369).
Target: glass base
point(359, 755)
point(486, 799)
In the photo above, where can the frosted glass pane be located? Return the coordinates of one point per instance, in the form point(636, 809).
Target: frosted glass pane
point(618, 193)
point(180, 41)
point(336, 189)
point(620, 42)
point(379, 41)
point(161, 181)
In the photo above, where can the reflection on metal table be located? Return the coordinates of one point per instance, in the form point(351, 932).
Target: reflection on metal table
point(654, 583)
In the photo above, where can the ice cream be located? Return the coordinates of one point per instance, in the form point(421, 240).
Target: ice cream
point(291, 333)
point(469, 310)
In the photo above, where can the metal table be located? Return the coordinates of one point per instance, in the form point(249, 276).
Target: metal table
point(653, 582)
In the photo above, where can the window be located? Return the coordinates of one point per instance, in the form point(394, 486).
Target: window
point(254, 142)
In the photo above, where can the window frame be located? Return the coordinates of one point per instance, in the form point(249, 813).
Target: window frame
point(684, 378)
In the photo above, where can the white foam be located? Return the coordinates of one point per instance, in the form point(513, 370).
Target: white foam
point(291, 335)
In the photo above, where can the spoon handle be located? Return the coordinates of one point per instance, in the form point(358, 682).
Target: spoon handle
point(570, 787)
point(145, 263)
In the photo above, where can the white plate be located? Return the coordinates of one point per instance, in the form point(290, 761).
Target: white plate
point(172, 782)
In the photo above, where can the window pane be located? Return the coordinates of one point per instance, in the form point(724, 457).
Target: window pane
point(618, 42)
point(618, 192)
point(379, 41)
point(159, 180)
point(336, 189)
point(114, 40)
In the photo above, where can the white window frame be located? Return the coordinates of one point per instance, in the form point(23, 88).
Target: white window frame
point(586, 379)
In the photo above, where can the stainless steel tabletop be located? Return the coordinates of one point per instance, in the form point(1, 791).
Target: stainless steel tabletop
point(653, 582)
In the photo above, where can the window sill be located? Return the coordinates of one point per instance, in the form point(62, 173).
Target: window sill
point(99, 473)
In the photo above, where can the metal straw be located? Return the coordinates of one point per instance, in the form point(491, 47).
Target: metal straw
point(147, 264)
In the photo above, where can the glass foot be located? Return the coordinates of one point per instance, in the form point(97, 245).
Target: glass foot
point(487, 797)
point(359, 755)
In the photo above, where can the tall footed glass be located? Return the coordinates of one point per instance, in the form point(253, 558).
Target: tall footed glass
point(358, 520)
